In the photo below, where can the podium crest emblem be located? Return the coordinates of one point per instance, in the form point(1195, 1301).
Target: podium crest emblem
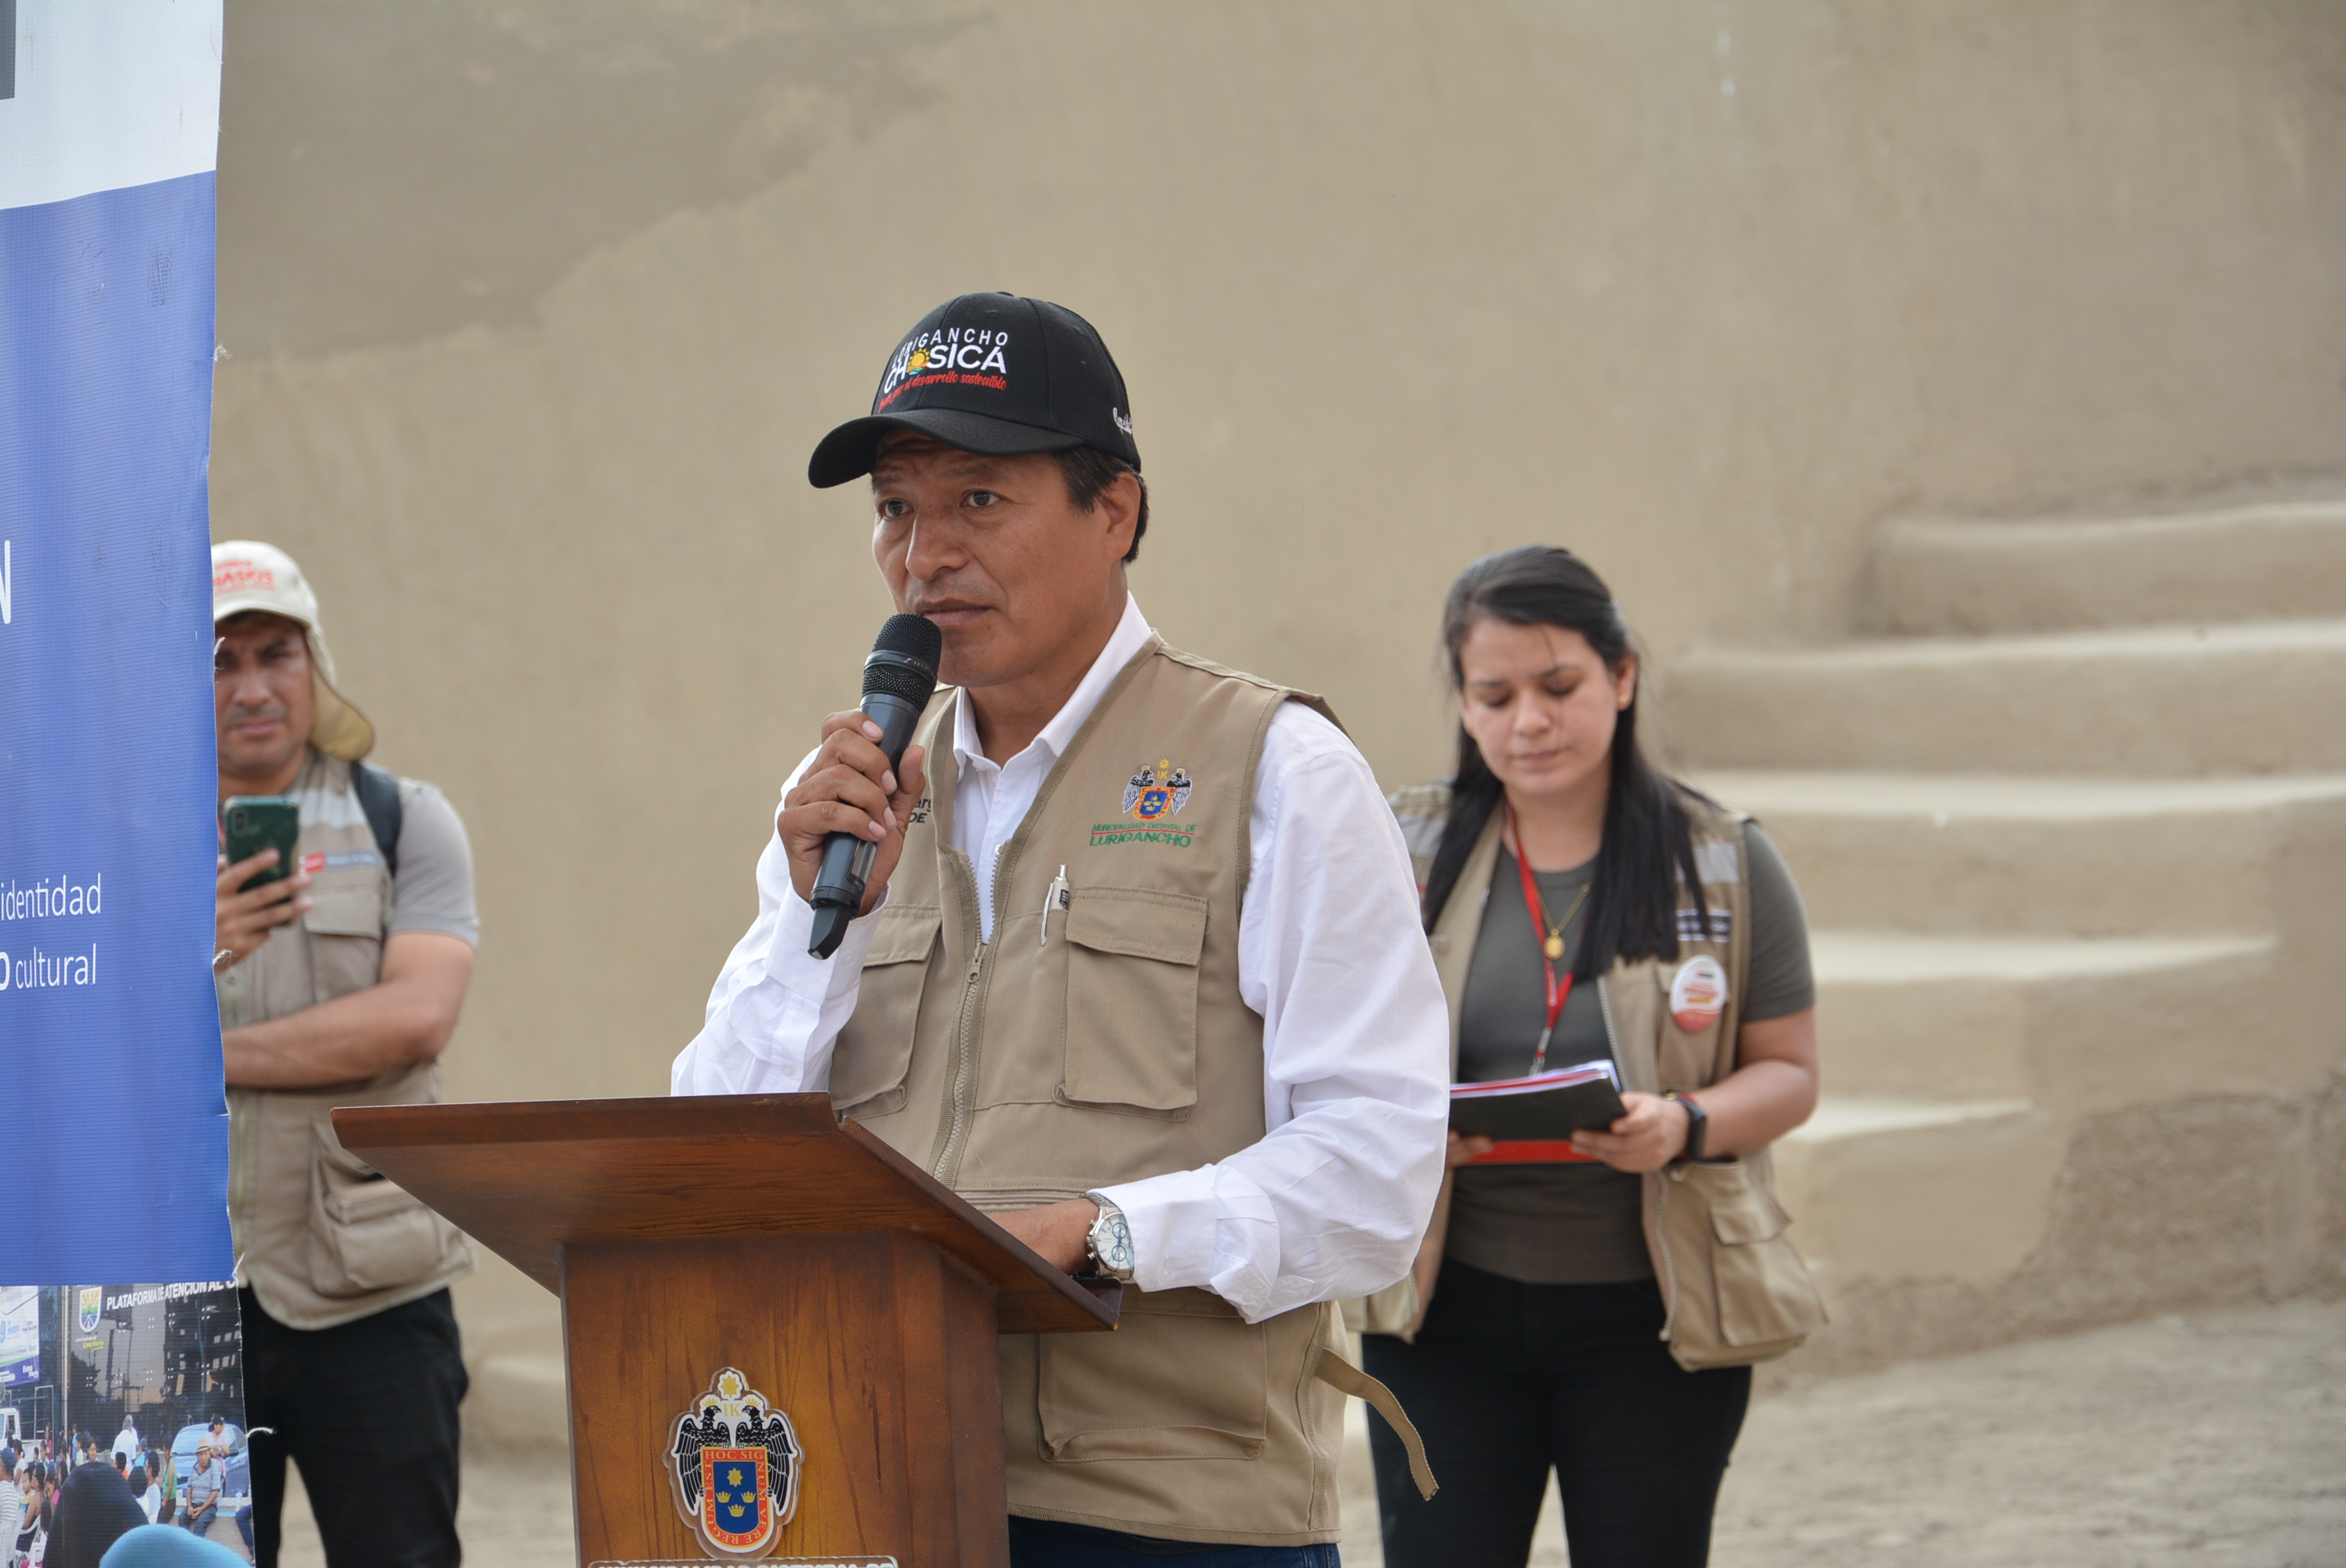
point(734, 1461)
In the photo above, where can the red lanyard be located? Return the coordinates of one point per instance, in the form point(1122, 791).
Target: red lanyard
point(1556, 994)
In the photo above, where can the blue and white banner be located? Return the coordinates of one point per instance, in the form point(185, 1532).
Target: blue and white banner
point(118, 1147)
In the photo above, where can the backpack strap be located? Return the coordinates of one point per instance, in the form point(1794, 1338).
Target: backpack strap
point(378, 793)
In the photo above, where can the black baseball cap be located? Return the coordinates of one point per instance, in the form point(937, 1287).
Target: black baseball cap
point(993, 374)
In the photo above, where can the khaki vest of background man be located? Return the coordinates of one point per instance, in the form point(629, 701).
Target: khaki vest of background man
point(321, 1238)
point(1100, 1038)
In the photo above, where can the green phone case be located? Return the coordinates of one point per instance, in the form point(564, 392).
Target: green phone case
point(252, 823)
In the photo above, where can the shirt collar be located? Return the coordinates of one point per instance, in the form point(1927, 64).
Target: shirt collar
point(1132, 633)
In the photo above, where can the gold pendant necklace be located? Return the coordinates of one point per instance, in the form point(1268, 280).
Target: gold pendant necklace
point(1554, 946)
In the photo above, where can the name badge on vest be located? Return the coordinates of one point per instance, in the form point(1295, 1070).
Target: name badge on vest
point(1698, 993)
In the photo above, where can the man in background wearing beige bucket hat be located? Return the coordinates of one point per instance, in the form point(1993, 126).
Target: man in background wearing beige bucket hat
point(339, 986)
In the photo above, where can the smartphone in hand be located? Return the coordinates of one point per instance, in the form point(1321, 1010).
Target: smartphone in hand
point(252, 823)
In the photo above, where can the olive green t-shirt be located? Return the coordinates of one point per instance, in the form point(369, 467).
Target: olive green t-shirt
point(1581, 1224)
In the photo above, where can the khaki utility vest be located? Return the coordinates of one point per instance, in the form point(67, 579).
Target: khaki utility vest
point(1734, 1287)
point(320, 1236)
point(1100, 1038)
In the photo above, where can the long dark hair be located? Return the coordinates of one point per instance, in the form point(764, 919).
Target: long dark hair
point(1632, 901)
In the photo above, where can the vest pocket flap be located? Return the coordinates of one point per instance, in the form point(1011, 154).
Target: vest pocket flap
point(874, 1050)
point(1133, 975)
point(1758, 1299)
point(1766, 1296)
point(1740, 1214)
point(1138, 922)
point(344, 910)
point(371, 1199)
point(1180, 1378)
point(343, 933)
point(905, 934)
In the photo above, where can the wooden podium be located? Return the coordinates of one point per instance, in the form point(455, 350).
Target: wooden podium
point(851, 1290)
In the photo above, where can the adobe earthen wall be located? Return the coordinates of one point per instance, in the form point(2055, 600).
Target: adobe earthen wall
point(535, 309)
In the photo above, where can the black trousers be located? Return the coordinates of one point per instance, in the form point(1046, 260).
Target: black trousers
point(367, 1410)
point(1508, 1380)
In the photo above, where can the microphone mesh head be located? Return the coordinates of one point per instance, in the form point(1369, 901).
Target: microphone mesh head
point(903, 662)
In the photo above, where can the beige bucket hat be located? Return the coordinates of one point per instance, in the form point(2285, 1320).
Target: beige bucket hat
point(250, 575)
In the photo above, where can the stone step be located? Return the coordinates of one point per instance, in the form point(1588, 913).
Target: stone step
point(1913, 1191)
point(2240, 563)
point(1953, 853)
point(2069, 1023)
point(2166, 702)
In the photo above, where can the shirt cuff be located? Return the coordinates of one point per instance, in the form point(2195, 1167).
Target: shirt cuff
point(1192, 1229)
point(819, 980)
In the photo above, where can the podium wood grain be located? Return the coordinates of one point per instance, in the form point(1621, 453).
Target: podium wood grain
point(880, 1349)
point(858, 1294)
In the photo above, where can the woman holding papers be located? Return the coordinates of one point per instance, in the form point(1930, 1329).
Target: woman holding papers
point(1590, 1298)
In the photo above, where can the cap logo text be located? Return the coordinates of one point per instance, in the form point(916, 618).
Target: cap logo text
point(947, 355)
point(242, 574)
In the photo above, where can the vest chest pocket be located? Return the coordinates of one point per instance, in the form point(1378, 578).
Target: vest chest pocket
point(874, 1051)
point(344, 928)
point(1132, 999)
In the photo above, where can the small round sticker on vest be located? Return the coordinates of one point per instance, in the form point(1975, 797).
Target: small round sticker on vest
point(1698, 993)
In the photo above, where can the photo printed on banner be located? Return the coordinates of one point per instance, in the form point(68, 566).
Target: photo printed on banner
point(146, 1382)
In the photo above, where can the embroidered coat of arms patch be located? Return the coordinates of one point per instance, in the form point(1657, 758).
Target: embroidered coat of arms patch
point(1157, 794)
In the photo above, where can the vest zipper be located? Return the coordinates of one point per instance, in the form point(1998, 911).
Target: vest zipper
point(967, 1029)
point(1662, 1201)
point(964, 1064)
point(243, 1141)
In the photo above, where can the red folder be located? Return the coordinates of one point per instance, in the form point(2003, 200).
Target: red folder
point(1533, 1119)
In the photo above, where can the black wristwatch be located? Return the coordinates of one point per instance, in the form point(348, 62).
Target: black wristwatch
point(1698, 1124)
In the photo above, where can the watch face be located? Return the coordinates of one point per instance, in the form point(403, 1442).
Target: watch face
point(1115, 1242)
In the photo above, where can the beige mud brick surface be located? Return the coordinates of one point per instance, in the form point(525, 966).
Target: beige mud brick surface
point(2216, 1440)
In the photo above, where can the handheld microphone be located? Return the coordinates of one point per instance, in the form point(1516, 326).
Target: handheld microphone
point(898, 678)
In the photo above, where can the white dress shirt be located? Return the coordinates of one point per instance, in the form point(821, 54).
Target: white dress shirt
point(1332, 1202)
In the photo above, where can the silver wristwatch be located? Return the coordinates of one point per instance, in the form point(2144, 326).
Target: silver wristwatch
point(1109, 1243)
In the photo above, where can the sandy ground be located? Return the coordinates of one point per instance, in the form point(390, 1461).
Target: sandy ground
point(2216, 1440)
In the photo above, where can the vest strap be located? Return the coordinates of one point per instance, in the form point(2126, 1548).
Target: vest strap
point(1346, 1378)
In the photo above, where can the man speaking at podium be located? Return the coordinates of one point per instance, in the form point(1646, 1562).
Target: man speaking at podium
point(1138, 970)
